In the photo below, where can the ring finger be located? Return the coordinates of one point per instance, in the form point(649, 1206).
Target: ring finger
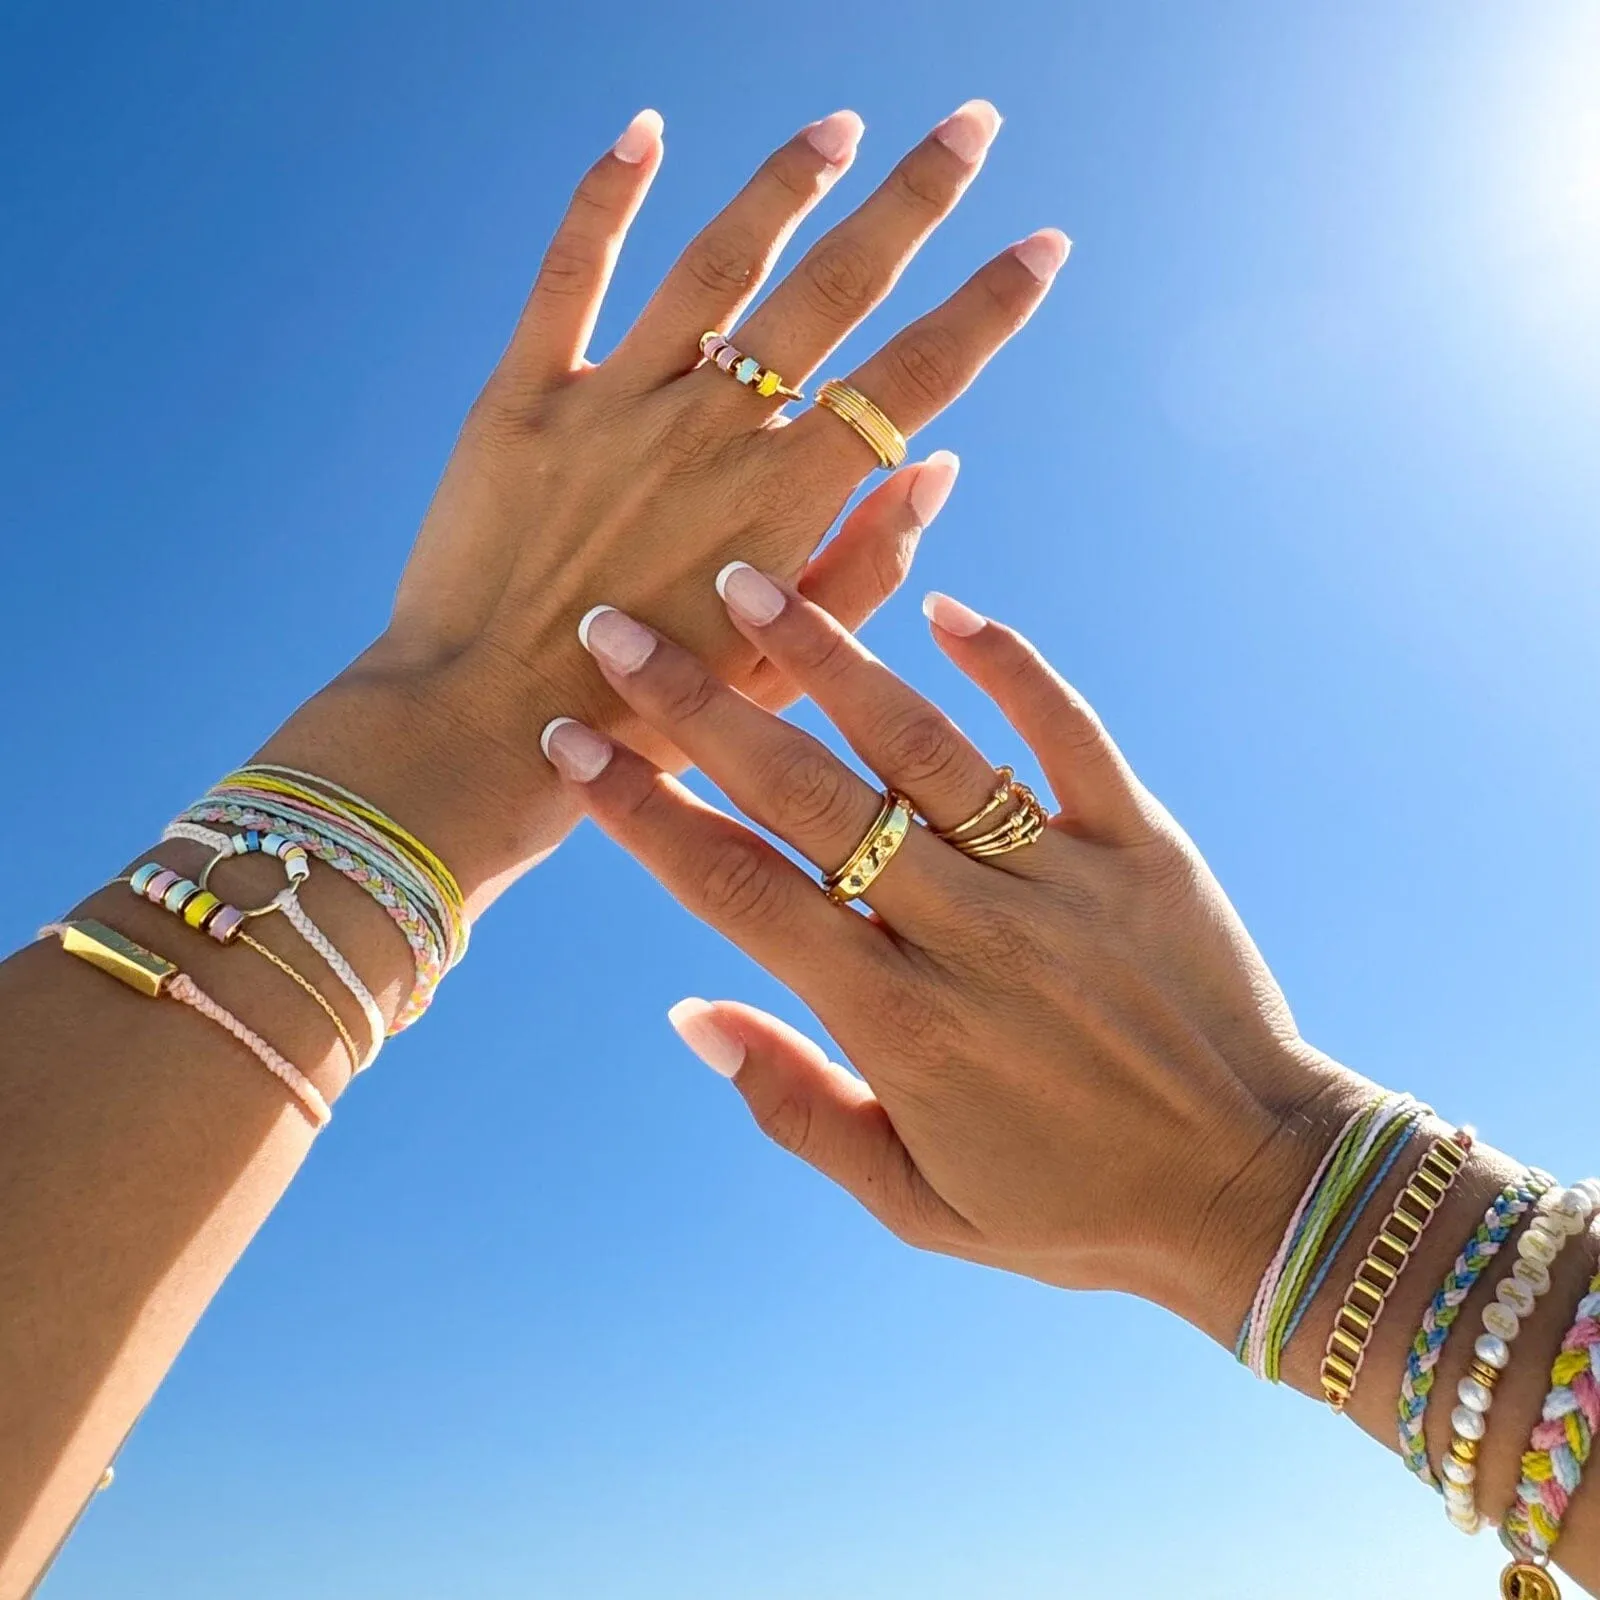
point(778, 775)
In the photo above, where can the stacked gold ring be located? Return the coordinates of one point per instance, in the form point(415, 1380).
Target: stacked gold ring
point(875, 852)
point(850, 405)
point(1022, 826)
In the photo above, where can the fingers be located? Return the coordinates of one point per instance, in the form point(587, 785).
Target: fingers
point(716, 868)
point(927, 365)
point(778, 775)
point(816, 1110)
point(1099, 796)
point(871, 555)
point(911, 744)
point(557, 321)
point(728, 260)
point(852, 267)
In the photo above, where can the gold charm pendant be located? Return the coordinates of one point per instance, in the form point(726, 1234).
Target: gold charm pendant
point(1524, 1581)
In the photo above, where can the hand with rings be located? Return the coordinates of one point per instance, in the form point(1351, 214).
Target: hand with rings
point(576, 480)
point(1035, 1004)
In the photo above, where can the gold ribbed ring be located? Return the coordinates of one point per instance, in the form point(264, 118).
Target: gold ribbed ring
point(1024, 826)
point(874, 853)
point(850, 405)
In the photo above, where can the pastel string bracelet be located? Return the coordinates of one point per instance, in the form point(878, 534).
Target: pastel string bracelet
point(1340, 1187)
point(223, 845)
point(151, 975)
point(1416, 1387)
point(1560, 1445)
point(1559, 1215)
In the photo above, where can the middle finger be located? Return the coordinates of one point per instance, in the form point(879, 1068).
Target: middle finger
point(778, 775)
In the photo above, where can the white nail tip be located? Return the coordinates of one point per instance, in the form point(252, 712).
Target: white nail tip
point(587, 623)
point(726, 573)
point(549, 730)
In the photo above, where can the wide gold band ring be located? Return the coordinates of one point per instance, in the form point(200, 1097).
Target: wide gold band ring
point(874, 853)
point(850, 405)
point(1023, 825)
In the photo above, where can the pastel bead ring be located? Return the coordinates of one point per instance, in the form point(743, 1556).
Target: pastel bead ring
point(719, 351)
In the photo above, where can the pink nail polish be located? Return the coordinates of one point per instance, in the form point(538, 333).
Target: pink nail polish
point(1043, 253)
point(932, 485)
point(575, 751)
point(749, 595)
point(639, 138)
point(950, 615)
point(615, 639)
point(835, 138)
point(969, 130)
point(697, 1025)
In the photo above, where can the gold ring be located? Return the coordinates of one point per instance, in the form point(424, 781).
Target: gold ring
point(850, 405)
point(1023, 826)
point(718, 349)
point(873, 854)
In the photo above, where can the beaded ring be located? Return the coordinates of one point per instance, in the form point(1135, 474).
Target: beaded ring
point(718, 349)
point(1416, 1387)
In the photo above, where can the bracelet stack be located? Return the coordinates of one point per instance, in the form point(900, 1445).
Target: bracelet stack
point(293, 817)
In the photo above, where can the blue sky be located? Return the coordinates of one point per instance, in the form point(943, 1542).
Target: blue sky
point(1295, 475)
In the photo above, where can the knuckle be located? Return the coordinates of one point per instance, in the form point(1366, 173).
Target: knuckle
point(794, 171)
point(787, 1123)
point(723, 261)
point(918, 746)
point(684, 695)
point(807, 791)
point(739, 887)
point(927, 362)
point(919, 186)
point(822, 654)
point(567, 269)
point(840, 280)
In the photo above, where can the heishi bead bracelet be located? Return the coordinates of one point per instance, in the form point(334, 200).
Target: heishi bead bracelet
point(1416, 1386)
point(1386, 1257)
point(1560, 1214)
point(153, 976)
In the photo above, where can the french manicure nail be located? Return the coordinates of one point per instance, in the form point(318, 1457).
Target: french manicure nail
point(749, 595)
point(1043, 253)
point(697, 1025)
point(951, 615)
point(639, 138)
point(969, 130)
point(615, 639)
point(932, 485)
point(575, 751)
point(835, 138)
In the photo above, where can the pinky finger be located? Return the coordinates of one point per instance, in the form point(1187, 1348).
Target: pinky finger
point(816, 1110)
point(553, 332)
point(1099, 796)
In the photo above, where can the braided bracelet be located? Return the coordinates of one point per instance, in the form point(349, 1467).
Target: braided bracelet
point(1560, 1215)
point(151, 975)
point(1416, 1386)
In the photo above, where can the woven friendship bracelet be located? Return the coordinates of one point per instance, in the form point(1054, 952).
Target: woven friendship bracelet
point(1385, 1259)
point(1416, 1387)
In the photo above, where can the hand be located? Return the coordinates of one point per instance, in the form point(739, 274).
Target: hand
point(1076, 1064)
point(632, 480)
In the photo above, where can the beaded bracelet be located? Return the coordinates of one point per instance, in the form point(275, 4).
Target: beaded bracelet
point(1562, 1439)
point(151, 975)
point(1360, 1155)
point(1416, 1387)
point(1560, 1215)
point(1386, 1257)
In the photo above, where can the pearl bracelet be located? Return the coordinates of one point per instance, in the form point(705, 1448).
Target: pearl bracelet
point(1560, 1215)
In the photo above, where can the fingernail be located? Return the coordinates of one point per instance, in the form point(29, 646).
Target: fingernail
point(639, 138)
point(951, 615)
point(1042, 253)
point(697, 1025)
point(575, 751)
point(969, 130)
point(621, 643)
point(835, 138)
point(932, 485)
point(749, 595)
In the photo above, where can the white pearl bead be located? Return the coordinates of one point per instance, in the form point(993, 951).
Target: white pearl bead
point(1458, 1472)
point(1469, 1424)
point(1514, 1295)
point(1492, 1351)
point(1590, 1190)
point(1501, 1321)
point(1569, 1212)
point(1532, 1273)
point(1536, 1245)
point(1474, 1395)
